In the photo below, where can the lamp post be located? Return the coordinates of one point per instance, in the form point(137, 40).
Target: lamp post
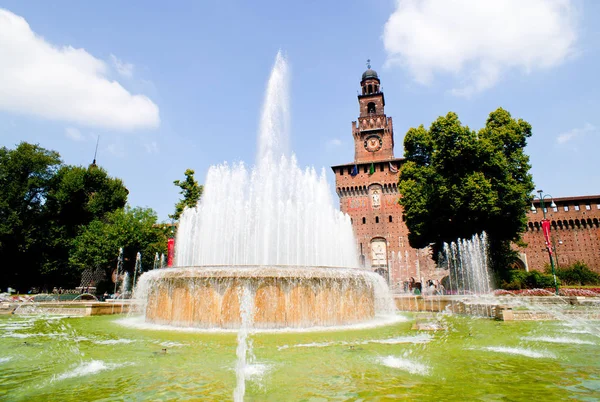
point(546, 229)
point(555, 248)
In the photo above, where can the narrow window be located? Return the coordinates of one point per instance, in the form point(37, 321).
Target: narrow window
point(376, 219)
point(371, 108)
point(381, 167)
point(366, 167)
point(576, 207)
point(598, 206)
point(390, 218)
point(364, 220)
point(555, 209)
point(341, 171)
point(588, 207)
point(566, 208)
point(370, 88)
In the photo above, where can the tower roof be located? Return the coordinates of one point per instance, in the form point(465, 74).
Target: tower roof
point(369, 74)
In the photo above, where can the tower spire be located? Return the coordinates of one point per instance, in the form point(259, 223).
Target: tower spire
point(95, 152)
point(369, 63)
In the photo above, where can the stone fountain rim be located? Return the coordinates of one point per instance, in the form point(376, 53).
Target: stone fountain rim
point(261, 271)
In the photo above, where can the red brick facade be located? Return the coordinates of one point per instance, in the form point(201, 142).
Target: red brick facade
point(368, 191)
point(575, 233)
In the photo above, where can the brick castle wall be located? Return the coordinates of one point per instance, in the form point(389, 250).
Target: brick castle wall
point(575, 233)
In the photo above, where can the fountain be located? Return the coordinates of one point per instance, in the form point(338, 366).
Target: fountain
point(156, 261)
point(467, 261)
point(119, 269)
point(137, 268)
point(272, 231)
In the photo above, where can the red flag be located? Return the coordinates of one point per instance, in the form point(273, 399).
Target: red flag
point(170, 252)
point(546, 230)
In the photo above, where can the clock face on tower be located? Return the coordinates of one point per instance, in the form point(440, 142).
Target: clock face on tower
point(373, 143)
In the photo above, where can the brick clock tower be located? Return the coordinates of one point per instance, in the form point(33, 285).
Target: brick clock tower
point(368, 191)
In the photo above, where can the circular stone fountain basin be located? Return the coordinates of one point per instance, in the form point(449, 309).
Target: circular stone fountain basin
point(283, 297)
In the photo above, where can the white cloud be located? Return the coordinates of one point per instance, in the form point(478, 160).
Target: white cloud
point(152, 147)
point(116, 149)
point(478, 40)
point(125, 69)
point(576, 132)
point(74, 134)
point(334, 142)
point(63, 83)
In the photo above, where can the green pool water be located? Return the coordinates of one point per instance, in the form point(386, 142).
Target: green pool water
point(97, 358)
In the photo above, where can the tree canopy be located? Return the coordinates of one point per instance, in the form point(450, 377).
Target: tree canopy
point(191, 191)
point(57, 220)
point(76, 196)
point(134, 229)
point(25, 173)
point(457, 182)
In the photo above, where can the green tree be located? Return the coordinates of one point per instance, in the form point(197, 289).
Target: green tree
point(76, 196)
point(457, 182)
point(134, 229)
point(191, 191)
point(25, 173)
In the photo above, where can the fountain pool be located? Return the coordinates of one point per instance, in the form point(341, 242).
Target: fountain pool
point(98, 358)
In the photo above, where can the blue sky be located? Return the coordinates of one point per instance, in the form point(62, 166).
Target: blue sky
point(180, 85)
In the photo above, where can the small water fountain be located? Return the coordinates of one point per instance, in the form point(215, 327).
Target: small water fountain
point(125, 284)
point(467, 261)
point(137, 268)
point(272, 231)
point(119, 269)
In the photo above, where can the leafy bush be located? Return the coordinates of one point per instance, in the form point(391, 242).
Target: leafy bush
point(577, 274)
point(518, 280)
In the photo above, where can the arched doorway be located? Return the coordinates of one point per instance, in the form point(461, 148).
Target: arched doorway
point(379, 261)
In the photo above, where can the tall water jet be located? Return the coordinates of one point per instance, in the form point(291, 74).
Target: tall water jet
point(137, 268)
point(125, 283)
point(119, 268)
point(272, 228)
point(468, 266)
point(246, 315)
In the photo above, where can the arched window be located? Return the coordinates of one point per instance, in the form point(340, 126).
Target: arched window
point(390, 218)
point(364, 220)
point(370, 90)
point(371, 108)
point(376, 219)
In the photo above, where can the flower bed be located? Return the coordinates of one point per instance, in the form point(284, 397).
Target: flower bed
point(594, 292)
